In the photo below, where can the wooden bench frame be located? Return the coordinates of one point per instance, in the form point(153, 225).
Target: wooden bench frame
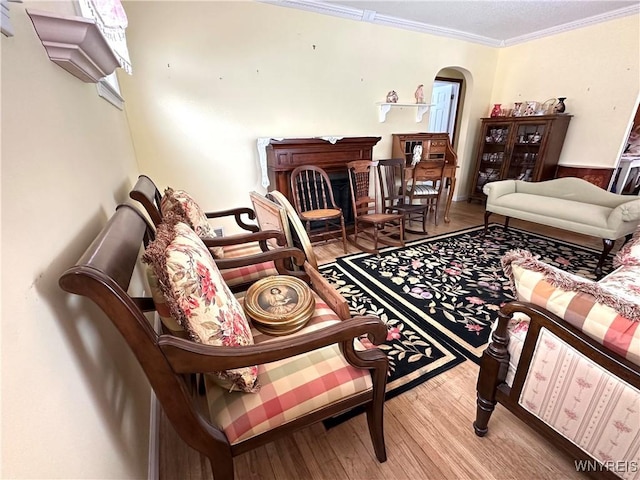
point(103, 274)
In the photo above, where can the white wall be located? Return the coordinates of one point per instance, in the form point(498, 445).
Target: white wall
point(596, 68)
point(74, 401)
point(212, 77)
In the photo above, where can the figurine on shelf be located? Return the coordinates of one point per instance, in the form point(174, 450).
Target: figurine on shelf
point(536, 138)
point(420, 94)
point(417, 155)
point(392, 97)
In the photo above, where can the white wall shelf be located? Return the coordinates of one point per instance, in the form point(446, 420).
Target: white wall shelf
point(422, 108)
point(76, 44)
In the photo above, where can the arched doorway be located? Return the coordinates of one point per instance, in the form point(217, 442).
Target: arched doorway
point(447, 99)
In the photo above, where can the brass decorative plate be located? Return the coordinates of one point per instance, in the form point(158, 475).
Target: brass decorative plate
point(296, 224)
point(279, 305)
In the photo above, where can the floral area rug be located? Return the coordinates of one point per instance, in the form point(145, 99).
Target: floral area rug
point(439, 296)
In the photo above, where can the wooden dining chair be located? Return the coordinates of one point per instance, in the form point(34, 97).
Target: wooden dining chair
point(393, 188)
point(426, 184)
point(313, 200)
point(371, 222)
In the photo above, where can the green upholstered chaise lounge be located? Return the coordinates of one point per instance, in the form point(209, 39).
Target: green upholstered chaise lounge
point(568, 203)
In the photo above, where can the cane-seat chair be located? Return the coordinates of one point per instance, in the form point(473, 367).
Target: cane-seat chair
point(314, 202)
point(317, 373)
point(393, 188)
point(427, 184)
point(371, 222)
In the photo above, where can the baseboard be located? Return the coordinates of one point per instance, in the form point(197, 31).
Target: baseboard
point(460, 198)
point(153, 472)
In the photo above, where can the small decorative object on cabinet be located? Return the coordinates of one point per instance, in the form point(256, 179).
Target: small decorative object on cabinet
point(497, 110)
point(531, 109)
point(560, 106)
point(392, 97)
point(523, 148)
point(517, 109)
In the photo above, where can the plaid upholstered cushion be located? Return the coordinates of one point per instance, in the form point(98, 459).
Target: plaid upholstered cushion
point(585, 305)
point(290, 388)
point(249, 273)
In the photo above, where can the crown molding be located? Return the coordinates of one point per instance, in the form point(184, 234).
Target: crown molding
point(585, 22)
point(390, 21)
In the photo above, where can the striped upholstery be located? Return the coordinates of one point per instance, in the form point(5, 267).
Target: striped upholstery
point(583, 304)
point(425, 189)
point(249, 273)
point(291, 387)
point(586, 404)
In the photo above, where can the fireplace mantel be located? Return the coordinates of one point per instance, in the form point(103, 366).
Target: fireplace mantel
point(286, 154)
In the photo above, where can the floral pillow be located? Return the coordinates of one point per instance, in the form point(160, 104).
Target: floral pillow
point(187, 209)
point(629, 254)
point(198, 298)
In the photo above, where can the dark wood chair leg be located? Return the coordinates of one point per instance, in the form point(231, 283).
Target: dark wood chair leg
point(493, 371)
point(222, 468)
point(487, 214)
point(506, 222)
point(375, 417)
point(607, 246)
point(375, 410)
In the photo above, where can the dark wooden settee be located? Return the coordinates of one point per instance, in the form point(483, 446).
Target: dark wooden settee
point(172, 364)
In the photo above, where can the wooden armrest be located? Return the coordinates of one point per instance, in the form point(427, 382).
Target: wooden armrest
point(186, 356)
point(237, 213)
point(241, 238)
point(329, 294)
point(285, 253)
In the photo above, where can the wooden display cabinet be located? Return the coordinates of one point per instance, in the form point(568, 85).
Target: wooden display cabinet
point(522, 148)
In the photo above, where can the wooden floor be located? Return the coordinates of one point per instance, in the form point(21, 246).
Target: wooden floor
point(428, 429)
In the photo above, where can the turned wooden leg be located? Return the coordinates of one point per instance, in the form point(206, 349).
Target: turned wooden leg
point(506, 222)
point(493, 371)
point(484, 409)
point(607, 246)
